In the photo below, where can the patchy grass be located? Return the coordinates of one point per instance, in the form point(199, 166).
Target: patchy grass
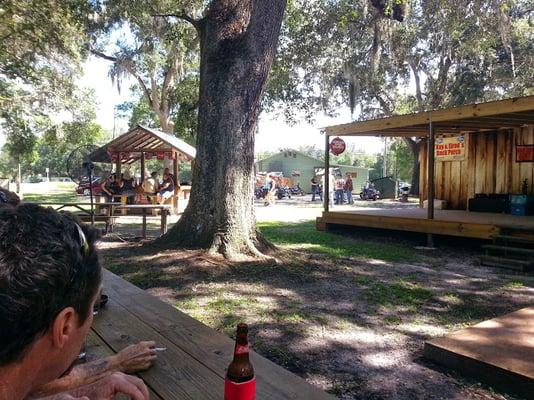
point(514, 284)
point(399, 293)
point(68, 196)
point(305, 236)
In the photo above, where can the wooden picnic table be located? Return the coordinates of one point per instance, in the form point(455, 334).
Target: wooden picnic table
point(163, 209)
point(194, 365)
point(84, 213)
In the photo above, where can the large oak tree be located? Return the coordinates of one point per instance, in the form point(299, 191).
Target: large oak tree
point(238, 40)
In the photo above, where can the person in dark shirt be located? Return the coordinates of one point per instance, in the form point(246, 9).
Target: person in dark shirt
point(348, 187)
point(315, 189)
point(109, 187)
point(166, 189)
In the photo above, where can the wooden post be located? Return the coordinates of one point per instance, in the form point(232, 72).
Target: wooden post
point(431, 178)
point(326, 189)
point(118, 166)
point(176, 182)
point(144, 224)
point(142, 167)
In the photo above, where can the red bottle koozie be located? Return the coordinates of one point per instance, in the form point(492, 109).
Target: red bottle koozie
point(239, 391)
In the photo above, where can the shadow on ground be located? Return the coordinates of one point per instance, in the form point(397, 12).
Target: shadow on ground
point(348, 314)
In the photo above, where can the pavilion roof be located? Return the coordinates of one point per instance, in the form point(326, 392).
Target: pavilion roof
point(143, 139)
point(490, 116)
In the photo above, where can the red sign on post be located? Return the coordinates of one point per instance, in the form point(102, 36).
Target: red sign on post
point(524, 153)
point(337, 146)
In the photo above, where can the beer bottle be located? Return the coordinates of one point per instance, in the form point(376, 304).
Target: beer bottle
point(240, 383)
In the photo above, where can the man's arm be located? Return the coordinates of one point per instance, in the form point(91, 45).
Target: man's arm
point(133, 358)
point(106, 389)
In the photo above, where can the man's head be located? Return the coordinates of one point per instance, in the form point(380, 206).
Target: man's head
point(349, 175)
point(8, 198)
point(49, 278)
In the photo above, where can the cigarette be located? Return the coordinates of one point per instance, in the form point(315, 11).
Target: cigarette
point(160, 348)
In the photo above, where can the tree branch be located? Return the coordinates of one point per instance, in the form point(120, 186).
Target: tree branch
point(168, 82)
point(128, 68)
point(182, 16)
point(417, 78)
point(102, 55)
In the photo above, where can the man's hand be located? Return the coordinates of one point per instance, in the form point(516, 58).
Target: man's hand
point(111, 385)
point(136, 357)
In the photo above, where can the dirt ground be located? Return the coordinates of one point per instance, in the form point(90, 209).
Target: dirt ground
point(352, 325)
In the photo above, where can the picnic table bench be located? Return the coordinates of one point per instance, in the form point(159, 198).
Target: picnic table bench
point(194, 364)
point(82, 211)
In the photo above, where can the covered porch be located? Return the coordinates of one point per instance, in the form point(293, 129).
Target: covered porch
point(467, 153)
point(462, 223)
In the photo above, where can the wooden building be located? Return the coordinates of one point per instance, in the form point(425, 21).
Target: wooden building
point(301, 168)
point(478, 149)
point(489, 166)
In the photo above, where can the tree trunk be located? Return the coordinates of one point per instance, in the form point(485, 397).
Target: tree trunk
point(414, 146)
point(238, 41)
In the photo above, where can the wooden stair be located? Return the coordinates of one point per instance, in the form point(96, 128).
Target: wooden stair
point(511, 249)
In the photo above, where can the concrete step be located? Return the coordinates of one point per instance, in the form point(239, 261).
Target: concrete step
point(507, 263)
point(509, 250)
point(505, 239)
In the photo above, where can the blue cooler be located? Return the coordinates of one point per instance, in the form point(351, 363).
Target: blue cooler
point(521, 204)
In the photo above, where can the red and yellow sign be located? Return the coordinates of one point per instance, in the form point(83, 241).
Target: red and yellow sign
point(450, 148)
point(524, 153)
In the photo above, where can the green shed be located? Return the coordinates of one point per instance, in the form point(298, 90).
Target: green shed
point(301, 168)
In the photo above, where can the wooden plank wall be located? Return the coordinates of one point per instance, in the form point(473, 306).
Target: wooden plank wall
point(489, 167)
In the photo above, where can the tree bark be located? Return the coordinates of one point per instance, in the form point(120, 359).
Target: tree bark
point(414, 146)
point(238, 40)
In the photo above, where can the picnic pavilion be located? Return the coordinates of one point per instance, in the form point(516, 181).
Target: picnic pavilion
point(142, 143)
point(474, 157)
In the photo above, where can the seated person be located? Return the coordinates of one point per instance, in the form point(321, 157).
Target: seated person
point(150, 185)
point(109, 187)
point(50, 279)
point(166, 189)
point(168, 172)
point(128, 187)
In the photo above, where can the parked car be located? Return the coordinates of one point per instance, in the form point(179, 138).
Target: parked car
point(84, 187)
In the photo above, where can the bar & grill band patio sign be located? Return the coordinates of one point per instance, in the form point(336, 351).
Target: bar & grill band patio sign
point(450, 148)
point(524, 153)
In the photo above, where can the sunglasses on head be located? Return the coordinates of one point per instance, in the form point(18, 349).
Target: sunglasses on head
point(84, 245)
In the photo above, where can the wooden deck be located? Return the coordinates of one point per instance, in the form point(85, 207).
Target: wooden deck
point(446, 222)
point(499, 352)
point(194, 364)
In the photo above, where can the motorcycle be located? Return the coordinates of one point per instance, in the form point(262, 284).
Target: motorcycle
point(369, 192)
point(404, 191)
point(296, 190)
point(283, 191)
point(259, 193)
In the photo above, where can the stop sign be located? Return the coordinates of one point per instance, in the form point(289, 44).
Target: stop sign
point(337, 146)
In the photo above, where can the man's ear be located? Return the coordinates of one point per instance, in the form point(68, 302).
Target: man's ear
point(64, 327)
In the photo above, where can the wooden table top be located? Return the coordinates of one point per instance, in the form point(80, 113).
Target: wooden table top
point(194, 365)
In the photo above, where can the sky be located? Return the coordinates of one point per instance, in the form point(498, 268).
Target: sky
point(273, 132)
